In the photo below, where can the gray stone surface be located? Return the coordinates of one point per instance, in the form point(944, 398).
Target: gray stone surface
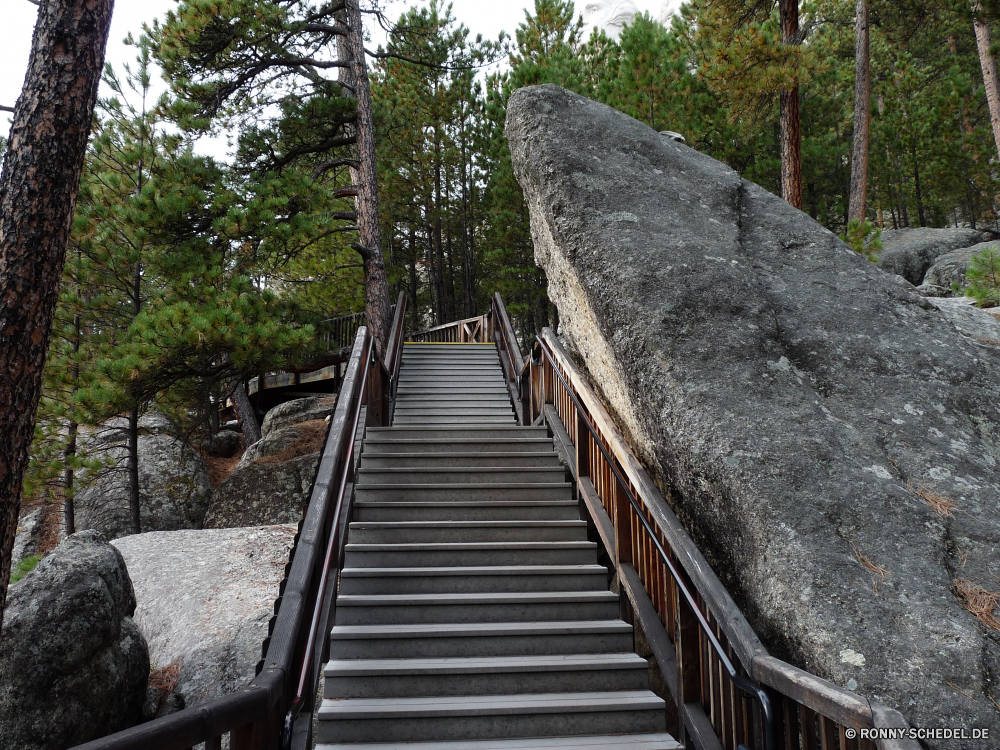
point(210, 613)
point(73, 664)
point(29, 529)
point(792, 400)
point(225, 444)
point(299, 410)
point(910, 252)
point(980, 326)
point(174, 487)
point(949, 269)
point(271, 483)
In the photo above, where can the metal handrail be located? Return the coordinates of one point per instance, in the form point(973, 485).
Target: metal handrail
point(298, 700)
point(748, 686)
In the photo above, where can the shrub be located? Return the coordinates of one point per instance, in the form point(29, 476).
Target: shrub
point(984, 277)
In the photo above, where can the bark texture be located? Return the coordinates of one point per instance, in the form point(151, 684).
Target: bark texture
point(38, 189)
point(246, 414)
point(862, 116)
point(791, 124)
point(369, 243)
point(989, 66)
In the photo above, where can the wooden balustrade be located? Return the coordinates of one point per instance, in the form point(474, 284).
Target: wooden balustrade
point(469, 331)
point(720, 676)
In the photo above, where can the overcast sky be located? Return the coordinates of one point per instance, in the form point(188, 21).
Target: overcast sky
point(486, 17)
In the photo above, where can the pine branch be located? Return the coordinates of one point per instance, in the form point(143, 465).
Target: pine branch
point(333, 164)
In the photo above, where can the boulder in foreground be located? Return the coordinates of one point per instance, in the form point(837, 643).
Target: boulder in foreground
point(73, 664)
point(204, 601)
point(829, 438)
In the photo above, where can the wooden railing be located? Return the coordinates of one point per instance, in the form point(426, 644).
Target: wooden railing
point(719, 674)
point(275, 710)
point(469, 331)
point(336, 333)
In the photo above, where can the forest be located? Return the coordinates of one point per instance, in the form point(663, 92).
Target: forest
point(186, 275)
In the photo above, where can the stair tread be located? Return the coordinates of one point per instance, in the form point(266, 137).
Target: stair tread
point(496, 570)
point(487, 705)
point(402, 546)
point(658, 741)
point(465, 486)
point(493, 664)
point(447, 599)
point(464, 524)
point(453, 629)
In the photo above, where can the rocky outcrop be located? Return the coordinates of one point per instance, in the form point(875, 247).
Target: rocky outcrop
point(829, 438)
point(209, 615)
point(948, 271)
point(174, 487)
point(73, 664)
point(272, 481)
point(910, 252)
point(28, 537)
point(297, 411)
point(980, 326)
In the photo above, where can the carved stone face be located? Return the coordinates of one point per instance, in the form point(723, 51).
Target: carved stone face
point(610, 15)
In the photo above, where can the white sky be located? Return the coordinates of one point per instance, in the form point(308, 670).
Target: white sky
point(486, 17)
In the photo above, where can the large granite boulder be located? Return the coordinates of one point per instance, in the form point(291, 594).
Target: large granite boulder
point(910, 252)
point(949, 271)
point(174, 487)
point(297, 411)
point(209, 616)
point(829, 438)
point(272, 481)
point(73, 664)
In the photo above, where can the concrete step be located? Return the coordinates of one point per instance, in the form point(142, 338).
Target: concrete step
point(533, 606)
point(382, 443)
point(453, 382)
point(417, 532)
point(462, 475)
point(431, 640)
point(462, 554)
point(474, 492)
point(481, 717)
point(497, 675)
point(459, 458)
point(439, 398)
point(451, 392)
point(467, 431)
point(490, 366)
point(658, 741)
point(511, 510)
point(494, 578)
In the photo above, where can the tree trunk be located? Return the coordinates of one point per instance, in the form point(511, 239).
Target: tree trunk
point(791, 123)
point(38, 189)
point(862, 117)
point(369, 243)
point(245, 413)
point(133, 471)
point(989, 66)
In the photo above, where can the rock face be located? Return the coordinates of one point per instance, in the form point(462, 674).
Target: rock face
point(809, 418)
point(173, 481)
point(225, 444)
point(26, 542)
point(910, 252)
point(978, 325)
point(73, 664)
point(949, 270)
point(271, 483)
point(297, 411)
point(210, 614)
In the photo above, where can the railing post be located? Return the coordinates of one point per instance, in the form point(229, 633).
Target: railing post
point(623, 524)
point(688, 647)
point(582, 447)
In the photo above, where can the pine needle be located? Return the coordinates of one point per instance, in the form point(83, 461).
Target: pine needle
point(979, 601)
point(942, 504)
point(879, 573)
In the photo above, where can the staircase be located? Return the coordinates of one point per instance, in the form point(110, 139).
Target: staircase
point(471, 612)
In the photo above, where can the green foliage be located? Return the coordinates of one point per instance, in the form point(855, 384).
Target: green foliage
point(984, 277)
point(24, 567)
point(864, 238)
